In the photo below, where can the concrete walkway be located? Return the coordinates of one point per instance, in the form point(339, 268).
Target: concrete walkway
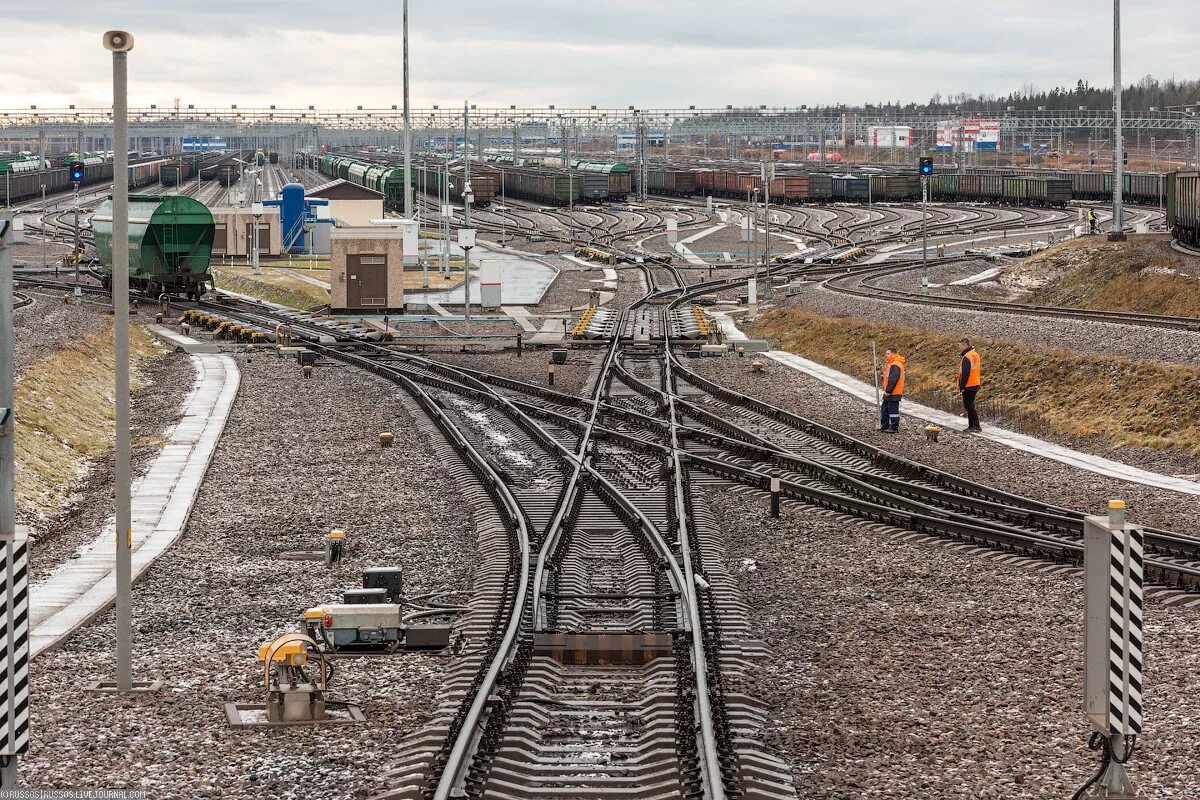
point(1017, 441)
point(80, 588)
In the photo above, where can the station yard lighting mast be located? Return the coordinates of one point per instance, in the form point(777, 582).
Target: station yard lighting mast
point(1117, 233)
point(407, 127)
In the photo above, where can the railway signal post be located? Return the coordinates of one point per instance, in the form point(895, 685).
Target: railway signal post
point(14, 544)
point(926, 168)
point(1113, 647)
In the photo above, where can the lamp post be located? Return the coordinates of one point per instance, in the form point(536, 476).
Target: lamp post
point(466, 240)
point(120, 43)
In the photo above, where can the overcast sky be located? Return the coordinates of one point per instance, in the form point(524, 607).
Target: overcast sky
point(581, 52)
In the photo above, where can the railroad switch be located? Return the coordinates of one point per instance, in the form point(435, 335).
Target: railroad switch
point(386, 439)
point(308, 370)
point(931, 432)
point(757, 366)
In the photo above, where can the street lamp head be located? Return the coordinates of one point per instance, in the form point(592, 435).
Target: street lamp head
point(118, 41)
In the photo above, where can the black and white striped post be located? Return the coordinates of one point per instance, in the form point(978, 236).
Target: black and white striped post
point(14, 552)
point(1113, 645)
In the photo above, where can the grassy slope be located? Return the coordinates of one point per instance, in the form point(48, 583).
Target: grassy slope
point(1064, 392)
point(65, 416)
point(274, 286)
point(1142, 274)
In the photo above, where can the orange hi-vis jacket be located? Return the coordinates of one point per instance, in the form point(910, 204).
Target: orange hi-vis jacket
point(969, 374)
point(893, 375)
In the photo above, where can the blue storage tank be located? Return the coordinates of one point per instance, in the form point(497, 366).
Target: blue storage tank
point(294, 211)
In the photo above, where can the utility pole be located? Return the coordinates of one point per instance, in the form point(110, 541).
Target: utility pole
point(407, 127)
point(768, 175)
point(1117, 233)
point(14, 548)
point(570, 186)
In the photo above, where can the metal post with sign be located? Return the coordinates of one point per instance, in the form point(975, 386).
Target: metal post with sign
point(14, 548)
point(466, 240)
point(1113, 552)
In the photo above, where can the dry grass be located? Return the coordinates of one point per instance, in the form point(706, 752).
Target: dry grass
point(415, 278)
point(1142, 274)
point(65, 416)
point(272, 285)
point(1071, 394)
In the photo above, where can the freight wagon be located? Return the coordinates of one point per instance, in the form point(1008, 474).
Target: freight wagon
point(851, 189)
point(790, 189)
point(545, 186)
point(620, 182)
point(144, 174)
point(485, 182)
point(174, 173)
point(675, 183)
point(1043, 192)
point(946, 188)
point(895, 187)
point(1183, 207)
point(170, 243)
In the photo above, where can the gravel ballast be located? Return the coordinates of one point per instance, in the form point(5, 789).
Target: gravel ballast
point(42, 328)
point(905, 669)
point(297, 459)
point(971, 457)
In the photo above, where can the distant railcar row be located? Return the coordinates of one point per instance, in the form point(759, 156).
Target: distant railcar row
point(597, 182)
point(18, 186)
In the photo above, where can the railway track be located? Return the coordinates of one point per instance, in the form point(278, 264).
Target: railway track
point(604, 634)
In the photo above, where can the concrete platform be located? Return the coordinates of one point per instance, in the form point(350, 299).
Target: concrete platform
point(80, 588)
point(1017, 441)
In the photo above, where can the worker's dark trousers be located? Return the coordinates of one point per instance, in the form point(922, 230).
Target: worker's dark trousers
point(968, 396)
point(889, 414)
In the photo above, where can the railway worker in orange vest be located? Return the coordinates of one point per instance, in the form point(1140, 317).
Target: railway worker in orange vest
point(893, 391)
point(970, 378)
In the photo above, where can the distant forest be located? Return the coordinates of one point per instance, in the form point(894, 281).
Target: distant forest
point(1141, 96)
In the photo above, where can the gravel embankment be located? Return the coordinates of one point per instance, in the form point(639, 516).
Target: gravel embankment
point(571, 378)
point(1087, 337)
point(969, 456)
point(156, 407)
point(906, 670)
point(298, 458)
point(42, 328)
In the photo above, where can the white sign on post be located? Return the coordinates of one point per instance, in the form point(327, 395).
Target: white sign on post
point(672, 230)
point(411, 241)
point(466, 237)
point(752, 297)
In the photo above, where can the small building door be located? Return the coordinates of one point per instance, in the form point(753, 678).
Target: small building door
point(220, 239)
point(366, 281)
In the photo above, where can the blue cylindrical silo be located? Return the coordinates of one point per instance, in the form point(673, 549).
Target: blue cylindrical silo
point(291, 216)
